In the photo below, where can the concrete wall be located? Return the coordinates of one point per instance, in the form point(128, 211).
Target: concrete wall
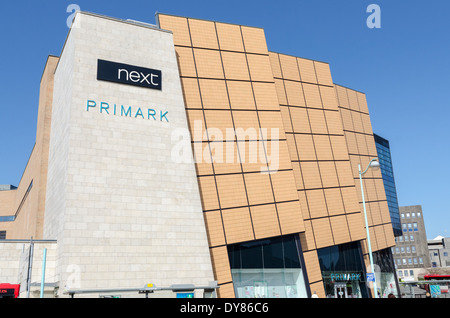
point(124, 211)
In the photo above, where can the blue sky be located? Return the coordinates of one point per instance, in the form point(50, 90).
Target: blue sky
point(403, 67)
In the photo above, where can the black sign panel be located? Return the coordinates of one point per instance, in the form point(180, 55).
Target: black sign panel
point(129, 74)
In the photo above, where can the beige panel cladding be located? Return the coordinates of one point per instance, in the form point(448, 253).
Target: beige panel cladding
point(361, 145)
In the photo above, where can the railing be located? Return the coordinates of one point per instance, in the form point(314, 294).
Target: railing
point(425, 289)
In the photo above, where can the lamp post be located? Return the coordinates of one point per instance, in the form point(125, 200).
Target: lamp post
point(372, 164)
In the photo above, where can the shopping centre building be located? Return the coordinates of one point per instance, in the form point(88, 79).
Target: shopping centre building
point(188, 154)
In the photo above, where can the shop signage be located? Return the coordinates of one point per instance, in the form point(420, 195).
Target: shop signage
point(345, 277)
point(114, 109)
point(129, 74)
point(370, 277)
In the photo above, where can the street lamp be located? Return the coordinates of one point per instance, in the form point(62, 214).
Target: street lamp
point(372, 164)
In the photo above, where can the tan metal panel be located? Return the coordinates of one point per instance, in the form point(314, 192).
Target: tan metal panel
point(208, 192)
point(284, 186)
point(357, 122)
point(347, 119)
point(291, 218)
point(334, 201)
point(203, 34)
point(329, 98)
point(322, 232)
point(305, 146)
point(317, 204)
point(289, 67)
point(300, 121)
point(260, 69)
point(217, 123)
point(356, 226)
point(195, 119)
point(275, 63)
point(339, 147)
point(334, 122)
point(179, 27)
point(312, 95)
point(328, 174)
point(317, 121)
point(353, 100)
point(214, 227)
point(323, 147)
point(350, 199)
point(340, 229)
point(344, 172)
point(209, 63)
point(304, 205)
point(235, 66)
point(241, 95)
point(214, 94)
point(254, 40)
point(252, 156)
point(352, 145)
point(186, 64)
point(266, 96)
point(323, 73)
point(226, 291)
point(271, 124)
point(294, 93)
point(312, 266)
point(362, 101)
point(230, 37)
point(231, 190)
point(342, 98)
point(246, 124)
point(307, 238)
point(238, 225)
point(259, 189)
point(221, 264)
point(286, 115)
point(191, 93)
point(202, 158)
point(307, 70)
point(281, 93)
point(226, 159)
point(265, 221)
point(311, 175)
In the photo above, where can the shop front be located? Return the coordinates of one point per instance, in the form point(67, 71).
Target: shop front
point(343, 271)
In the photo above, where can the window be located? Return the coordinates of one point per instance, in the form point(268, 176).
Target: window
point(413, 215)
point(2, 235)
point(418, 214)
point(402, 249)
point(403, 215)
point(415, 261)
point(404, 228)
point(415, 227)
point(397, 250)
point(406, 238)
point(406, 273)
point(411, 238)
point(409, 261)
point(409, 226)
point(404, 261)
point(407, 215)
point(400, 273)
point(411, 272)
point(408, 249)
point(413, 249)
point(445, 254)
point(399, 261)
point(267, 268)
point(420, 260)
point(400, 238)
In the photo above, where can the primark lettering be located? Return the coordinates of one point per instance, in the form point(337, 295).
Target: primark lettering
point(345, 277)
point(126, 111)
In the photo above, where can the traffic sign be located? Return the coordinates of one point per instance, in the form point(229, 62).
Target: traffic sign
point(370, 277)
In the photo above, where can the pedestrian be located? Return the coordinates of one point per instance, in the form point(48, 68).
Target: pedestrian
point(314, 295)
